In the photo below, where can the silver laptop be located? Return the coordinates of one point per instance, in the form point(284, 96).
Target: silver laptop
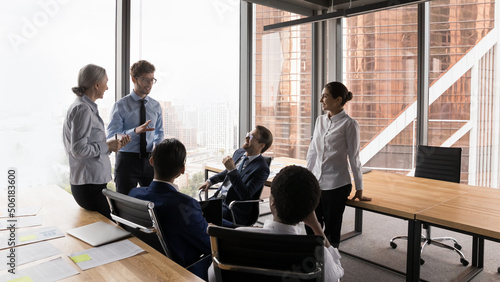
point(98, 233)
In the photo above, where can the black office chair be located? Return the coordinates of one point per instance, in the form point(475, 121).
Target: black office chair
point(444, 164)
point(251, 256)
point(139, 218)
point(255, 213)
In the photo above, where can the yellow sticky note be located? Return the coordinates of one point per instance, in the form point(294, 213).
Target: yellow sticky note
point(80, 258)
point(21, 279)
point(27, 238)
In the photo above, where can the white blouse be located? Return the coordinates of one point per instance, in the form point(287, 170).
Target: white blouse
point(85, 142)
point(334, 140)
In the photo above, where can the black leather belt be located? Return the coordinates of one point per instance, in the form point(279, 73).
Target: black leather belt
point(135, 155)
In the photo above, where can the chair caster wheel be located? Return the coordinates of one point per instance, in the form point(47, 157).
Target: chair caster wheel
point(498, 270)
point(394, 245)
point(457, 246)
point(422, 262)
point(464, 262)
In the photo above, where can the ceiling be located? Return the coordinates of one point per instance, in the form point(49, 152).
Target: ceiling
point(311, 7)
point(318, 10)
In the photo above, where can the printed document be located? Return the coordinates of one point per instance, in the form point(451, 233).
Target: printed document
point(105, 254)
point(21, 211)
point(20, 222)
point(28, 253)
point(28, 237)
point(52, 270)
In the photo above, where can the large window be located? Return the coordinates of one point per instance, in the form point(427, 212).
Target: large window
point(44, 44)
point(462, 93)
point(196, 55)
point(282, 82)
point(380, 54)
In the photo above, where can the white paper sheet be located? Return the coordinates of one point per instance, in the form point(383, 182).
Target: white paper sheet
point(105, 254)
point(20, 222)
point(21, 211)
point(32, 236)
point(53, 270)
point(28, 253)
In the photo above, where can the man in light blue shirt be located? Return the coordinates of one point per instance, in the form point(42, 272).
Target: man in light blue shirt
point(140, 117)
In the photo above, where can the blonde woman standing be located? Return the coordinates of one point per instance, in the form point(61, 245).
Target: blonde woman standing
point(85, 141)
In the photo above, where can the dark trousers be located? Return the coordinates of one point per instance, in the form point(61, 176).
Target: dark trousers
point(227, 217)
point(130, 170)
point(330, 211)
point(90, 197)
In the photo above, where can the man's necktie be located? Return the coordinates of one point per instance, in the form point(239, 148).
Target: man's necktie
point(242, 164)
point(143, 141)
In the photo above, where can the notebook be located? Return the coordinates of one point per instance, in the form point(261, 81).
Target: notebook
point(98, 233)
point(212, 211)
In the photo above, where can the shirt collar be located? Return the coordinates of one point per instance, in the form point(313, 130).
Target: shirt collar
point(137, 98)
point(281, 227)
point(170, 183)
point(337, 116)
point(87, 100)
point(251, 158)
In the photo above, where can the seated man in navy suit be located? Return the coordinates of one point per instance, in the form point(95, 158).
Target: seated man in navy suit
point(180, 216)
point(244, 177)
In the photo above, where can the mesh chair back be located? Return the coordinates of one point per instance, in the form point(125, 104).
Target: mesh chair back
point(138, 217)
point(248, 256)
point(439, 163)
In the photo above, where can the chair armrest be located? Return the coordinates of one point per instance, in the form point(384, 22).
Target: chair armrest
point(241, 202)
point(206, 193)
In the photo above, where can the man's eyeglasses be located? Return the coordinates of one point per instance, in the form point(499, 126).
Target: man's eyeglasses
point(147, 80)
point(250, 136)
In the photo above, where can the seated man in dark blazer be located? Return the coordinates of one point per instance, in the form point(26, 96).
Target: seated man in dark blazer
point(244, 177)
point(180, 216)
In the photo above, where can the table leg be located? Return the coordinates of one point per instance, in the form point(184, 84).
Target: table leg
point(477, 262)
point(475, 243)
point(358, 220)
point(480, 253)
point(413, 250)
point(358, 225)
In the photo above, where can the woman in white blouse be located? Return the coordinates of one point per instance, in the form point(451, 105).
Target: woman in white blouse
point(85, 141)
point(335, 138)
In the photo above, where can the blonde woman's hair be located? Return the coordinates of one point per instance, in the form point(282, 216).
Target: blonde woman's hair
point(88, 76)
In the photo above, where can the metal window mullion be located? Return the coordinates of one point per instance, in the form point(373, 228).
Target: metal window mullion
point(122, 48)
point(246, 68)
point(318, 76)
point(423, 74)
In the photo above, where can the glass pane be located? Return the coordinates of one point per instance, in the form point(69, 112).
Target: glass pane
point(380, 61)
point(464, 104)
point(196, 55)
point(282, 82)
point(44, 44)
point(455, 27)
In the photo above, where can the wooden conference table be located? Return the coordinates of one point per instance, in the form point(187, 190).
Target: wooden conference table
point(463, 208)
point(60, 209)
